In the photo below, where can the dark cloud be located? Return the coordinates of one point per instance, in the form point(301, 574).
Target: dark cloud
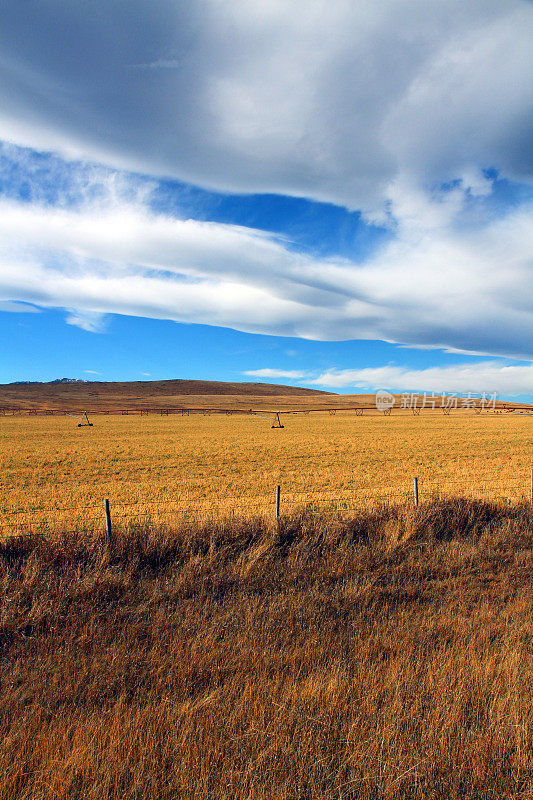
point(329, 100)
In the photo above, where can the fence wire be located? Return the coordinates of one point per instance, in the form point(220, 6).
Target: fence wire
point(364, 495)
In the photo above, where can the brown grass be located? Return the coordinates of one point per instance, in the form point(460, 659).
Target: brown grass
point(387, 654)
point(112, 395)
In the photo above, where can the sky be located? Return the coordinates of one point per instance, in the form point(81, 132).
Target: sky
point(319, 193)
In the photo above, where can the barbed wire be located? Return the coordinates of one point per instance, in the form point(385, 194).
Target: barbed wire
point(365, 493)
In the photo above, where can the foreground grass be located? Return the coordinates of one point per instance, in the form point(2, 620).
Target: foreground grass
point(385, 655)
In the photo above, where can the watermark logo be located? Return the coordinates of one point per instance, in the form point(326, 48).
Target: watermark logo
point(384, 400)
point(446, 401)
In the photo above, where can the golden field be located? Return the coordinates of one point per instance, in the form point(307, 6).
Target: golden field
point(357, 648)
point(155, 469)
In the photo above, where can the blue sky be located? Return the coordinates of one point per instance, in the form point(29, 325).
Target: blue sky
point(323, 194)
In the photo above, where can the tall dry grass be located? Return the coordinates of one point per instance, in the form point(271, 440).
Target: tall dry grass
point(384, 655)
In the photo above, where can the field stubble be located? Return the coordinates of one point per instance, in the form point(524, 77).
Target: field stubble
point(154, 469)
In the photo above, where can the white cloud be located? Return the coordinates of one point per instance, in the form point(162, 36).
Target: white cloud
point(485, 376)
point(443, 281)
point(366, 104)
point(90, 321)
point(17, 308)
point(275, 373)
point(328, 99)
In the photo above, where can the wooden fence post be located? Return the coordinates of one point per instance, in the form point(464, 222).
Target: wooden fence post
point(415, 486)
point(278, 494)
point(108, 522)
point(531, 495)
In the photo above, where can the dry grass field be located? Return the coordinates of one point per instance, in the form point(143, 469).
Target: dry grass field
point(156, 469)
point(387, 654)
point(353, 649)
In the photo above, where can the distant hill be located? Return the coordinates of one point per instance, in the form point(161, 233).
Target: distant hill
point(67, 393)
point(45, 383)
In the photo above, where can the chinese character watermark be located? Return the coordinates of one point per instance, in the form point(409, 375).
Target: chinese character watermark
point(447, 401)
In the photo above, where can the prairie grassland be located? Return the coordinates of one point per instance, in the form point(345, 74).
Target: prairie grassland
point(155, 468)
point(388, 654)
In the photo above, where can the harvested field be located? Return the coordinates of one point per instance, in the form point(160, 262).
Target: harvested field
point(156, 469)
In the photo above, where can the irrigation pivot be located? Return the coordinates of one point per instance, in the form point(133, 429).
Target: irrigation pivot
point(272, 416)
point(85, 421)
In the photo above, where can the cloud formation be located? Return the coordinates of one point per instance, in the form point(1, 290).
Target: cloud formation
point(328, 99)
point(399, 108)
point(17, 308)
point(438, 283)
point(485, 376)
point(292, 374)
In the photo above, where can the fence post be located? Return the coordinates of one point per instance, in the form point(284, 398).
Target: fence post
point(278, 494)
point(415, 486)
point(108, 522)
point(531, 486)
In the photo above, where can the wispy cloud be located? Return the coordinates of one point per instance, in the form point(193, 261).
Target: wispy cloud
point(292, 374)
point(409, 147)
point(439, 283)
point(18, 308)
point(87, 319)
point(485, 376)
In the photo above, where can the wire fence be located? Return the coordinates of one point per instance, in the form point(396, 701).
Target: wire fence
point(364, 495)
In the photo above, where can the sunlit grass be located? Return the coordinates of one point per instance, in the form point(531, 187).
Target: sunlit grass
point(381, 656)
point(157, 468)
